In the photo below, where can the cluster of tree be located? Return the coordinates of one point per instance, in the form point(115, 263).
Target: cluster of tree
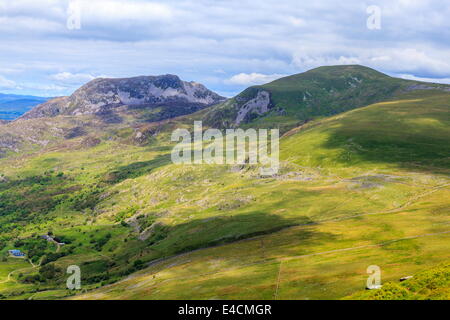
point(30, 197)
point(87, 198)
point(99, 243)
point(53, 256)
point(46, 273)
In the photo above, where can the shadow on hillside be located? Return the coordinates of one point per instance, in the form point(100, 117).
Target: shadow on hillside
point(196, 234)
point(109, 117)
point(136, 169)
point(161, 149)
point(407, 135)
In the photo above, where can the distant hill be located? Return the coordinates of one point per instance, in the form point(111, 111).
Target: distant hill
point(13, 106)
point(325, 91)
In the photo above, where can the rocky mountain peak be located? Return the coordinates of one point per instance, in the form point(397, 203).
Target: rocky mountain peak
point(104, 95)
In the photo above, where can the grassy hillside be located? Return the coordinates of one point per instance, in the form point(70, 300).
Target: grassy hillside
point(366, 187)
point(412, 132)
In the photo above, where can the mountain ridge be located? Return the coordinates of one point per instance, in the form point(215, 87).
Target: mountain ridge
point(324, 91)
point(104, 95)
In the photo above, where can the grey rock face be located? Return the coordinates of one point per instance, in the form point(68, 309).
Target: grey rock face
point(104, 95)
point(50, 108)
point(431, 86)
point(260, 105)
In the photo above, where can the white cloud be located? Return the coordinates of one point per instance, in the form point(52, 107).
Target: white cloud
point(412, 59)
point(67, 77)
point(116, 10)
point(309, 61)
point(28, 24)
point(433, 80)
point(415, 61)
point(297, 22)
point(250, 79)
point(7, 84)
point(227, 45)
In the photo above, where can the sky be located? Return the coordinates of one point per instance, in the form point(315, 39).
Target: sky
point(52, 47)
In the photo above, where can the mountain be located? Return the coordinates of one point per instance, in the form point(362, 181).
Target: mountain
point(166, 95)
point(13, 106)
point(105, 109)
point(324, 91)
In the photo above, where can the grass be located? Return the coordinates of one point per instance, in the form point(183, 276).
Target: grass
point(251, 269)
point(401, 133)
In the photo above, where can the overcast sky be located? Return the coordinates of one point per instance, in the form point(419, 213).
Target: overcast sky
point(227, 45)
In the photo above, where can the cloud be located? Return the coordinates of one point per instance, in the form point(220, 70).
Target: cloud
point(44, 87)
point(415, 61)
point(309, 61)
point(227, 45)
point(432, 80)
point(7, 84)
point(67, 77)
point(106, 11)
point(251, 79)
point(12, 68)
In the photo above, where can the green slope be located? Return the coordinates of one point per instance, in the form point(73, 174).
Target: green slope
point(411, 132)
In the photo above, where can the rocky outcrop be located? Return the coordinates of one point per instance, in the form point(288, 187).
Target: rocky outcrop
point(101, 96)
point(50, 108)
point(259, 105)
point(9, 142)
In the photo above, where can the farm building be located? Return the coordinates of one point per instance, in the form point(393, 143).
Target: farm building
point(16, 253)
